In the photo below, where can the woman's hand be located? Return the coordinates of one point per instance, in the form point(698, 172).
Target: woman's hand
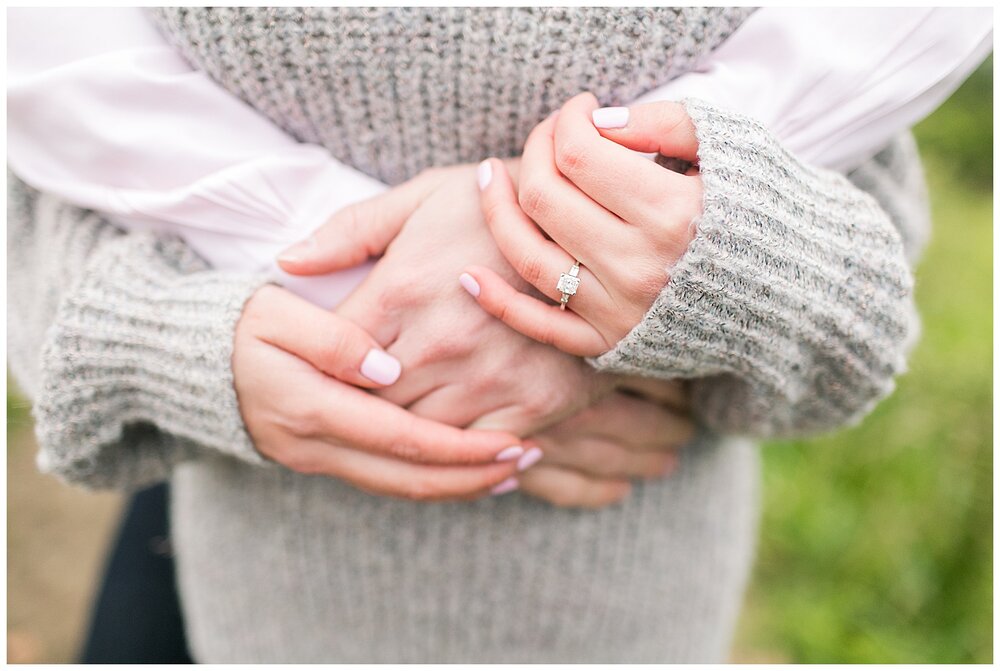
point(295, 368)
point(461, 366)
point(626, 220)
point(464, 368)
point(591, 457)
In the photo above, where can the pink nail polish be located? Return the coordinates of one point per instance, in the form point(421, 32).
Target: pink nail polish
point(469, 283)
point(484, 173)
point(505, 487)
point(510, 453)
point(380, 367)
point(529, 459)
point(610, 117)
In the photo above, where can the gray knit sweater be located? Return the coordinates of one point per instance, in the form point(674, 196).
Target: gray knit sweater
point(792, 312)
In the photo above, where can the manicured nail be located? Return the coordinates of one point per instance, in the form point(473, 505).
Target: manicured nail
point(505, 487)
point(299, 251)
point(469, 283)
point(611, 117)
point(380, 367)
point(484, 173)
point(529, 459)
point(510, 453)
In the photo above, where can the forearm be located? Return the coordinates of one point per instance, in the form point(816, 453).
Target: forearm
point(792, 308)
point(123, 342)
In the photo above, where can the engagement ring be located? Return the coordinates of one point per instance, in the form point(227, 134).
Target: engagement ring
point(568, 283)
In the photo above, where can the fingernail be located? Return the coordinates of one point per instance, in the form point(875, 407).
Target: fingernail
point(484, 173)
point(469, 283)
point(505, 487)
point(299, 251)
point(380, 367)
point(510, 453)
point(529, 459)
point(611, 117)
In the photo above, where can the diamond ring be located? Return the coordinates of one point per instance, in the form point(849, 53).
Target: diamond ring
point(568, 283)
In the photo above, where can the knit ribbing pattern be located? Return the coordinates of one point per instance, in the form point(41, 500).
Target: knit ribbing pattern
point(461, 83)
point(793, 304)
point(138, 352)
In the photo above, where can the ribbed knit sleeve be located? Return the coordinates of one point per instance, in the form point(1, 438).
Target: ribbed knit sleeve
point(124, 342)
point(792, 309)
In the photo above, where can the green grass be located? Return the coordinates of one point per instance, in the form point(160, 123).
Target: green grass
point(877, 542)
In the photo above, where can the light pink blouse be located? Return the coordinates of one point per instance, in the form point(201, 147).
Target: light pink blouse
point(104, 113)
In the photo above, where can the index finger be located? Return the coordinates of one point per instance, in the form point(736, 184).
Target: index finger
point(623, 181)
point(375, 425)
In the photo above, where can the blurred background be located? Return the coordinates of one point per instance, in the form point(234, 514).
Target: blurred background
point(876, 544)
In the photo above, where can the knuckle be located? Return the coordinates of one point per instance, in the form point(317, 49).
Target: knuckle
point(618, 463)
point(589, 416)
point(534, 199)
point(546, 334)
point(351, 218)
point(334, 352)
point(495, 377)
point(422, 489)
point(493, 209)
point(540, 405)
point(307, 421)
point(395, 297)
point(503, 312)
point(300, 462)
point(531, 268)
point(352, 224)
point(571, 156)
point(645, 282)
point(444, 348)
point(407, 448)
point(684, 203)
point(568, 495)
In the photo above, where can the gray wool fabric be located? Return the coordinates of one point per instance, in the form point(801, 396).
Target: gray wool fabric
point(792, 312)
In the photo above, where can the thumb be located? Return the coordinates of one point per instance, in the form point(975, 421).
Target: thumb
point(661, 127)
point(355, 233)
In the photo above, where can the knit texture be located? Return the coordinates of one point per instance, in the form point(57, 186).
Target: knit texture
point(394, 90)
point(133, 333)
point(792, 309)
point(138, 351)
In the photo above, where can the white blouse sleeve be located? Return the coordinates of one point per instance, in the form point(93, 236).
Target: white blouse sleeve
point(836, 84)
point(103, 112)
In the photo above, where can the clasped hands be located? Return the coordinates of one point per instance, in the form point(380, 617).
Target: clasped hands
point(408, 390)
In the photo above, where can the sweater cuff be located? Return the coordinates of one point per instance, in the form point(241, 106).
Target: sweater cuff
point(144, 343)
point(793, 275)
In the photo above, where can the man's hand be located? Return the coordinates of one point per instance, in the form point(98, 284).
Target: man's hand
point(591, 457)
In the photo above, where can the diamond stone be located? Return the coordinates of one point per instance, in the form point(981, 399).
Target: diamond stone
point(568, 284)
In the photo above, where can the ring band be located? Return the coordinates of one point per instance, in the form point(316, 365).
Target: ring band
point(568, 283)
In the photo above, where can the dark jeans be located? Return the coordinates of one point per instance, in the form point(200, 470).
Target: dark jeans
point(136, 618)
